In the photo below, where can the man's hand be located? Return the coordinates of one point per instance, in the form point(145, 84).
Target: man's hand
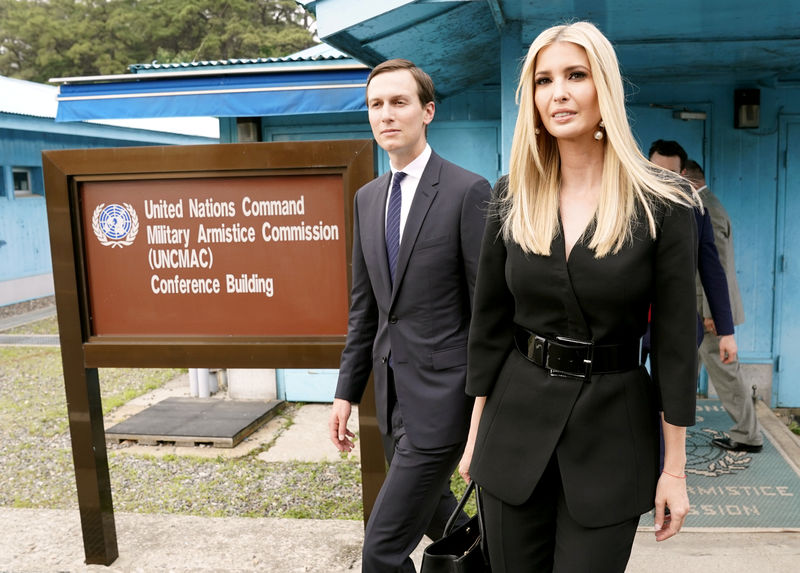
point(708, 325)
point(340, 435)
point(728, 350)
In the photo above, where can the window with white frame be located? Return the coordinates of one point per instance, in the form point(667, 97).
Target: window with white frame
point(22, 181)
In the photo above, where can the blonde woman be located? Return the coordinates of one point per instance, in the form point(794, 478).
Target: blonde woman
point(584, 236)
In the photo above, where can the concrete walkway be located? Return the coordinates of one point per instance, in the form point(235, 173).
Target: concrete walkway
point(27, 317)
point(50, 541)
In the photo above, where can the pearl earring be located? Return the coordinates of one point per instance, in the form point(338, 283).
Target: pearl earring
point(536, 130)
point(598, 135)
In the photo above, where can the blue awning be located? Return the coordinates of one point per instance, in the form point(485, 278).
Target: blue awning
point(219, 95)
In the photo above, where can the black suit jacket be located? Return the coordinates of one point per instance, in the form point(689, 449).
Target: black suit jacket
point(604, 431)
point(713, 281)
point(712, 277)
point(423, 319)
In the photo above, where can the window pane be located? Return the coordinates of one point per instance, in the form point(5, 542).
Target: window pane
point(22, 180)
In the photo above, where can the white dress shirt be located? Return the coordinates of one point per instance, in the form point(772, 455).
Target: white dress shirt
point(408, 186)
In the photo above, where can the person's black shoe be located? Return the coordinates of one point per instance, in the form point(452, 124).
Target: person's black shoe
point(728, 444)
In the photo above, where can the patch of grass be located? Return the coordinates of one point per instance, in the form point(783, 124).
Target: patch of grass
point(32, 384)
point(41, 477)
point(22, 504)
point(121, 385)
point(32, 387)
point(794, 427)
point(236, 487)
point(459, 486)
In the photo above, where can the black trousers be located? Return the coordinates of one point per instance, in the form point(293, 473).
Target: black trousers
point(540, 535)
point(415, 500)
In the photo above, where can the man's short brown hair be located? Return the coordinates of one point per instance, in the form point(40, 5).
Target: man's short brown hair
point(425, 88)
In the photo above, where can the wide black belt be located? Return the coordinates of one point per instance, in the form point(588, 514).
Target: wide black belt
point(570, 358)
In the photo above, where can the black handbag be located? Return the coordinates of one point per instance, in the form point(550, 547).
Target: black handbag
point(462, 550)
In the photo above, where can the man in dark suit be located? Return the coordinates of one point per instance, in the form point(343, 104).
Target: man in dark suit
point(711, 274)
point(417, 232)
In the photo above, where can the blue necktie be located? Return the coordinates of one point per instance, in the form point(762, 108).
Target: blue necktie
point(393, 222)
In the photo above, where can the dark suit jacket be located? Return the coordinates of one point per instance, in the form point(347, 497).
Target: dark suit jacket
point(712, 277)
point(604, 432)
point(424, 320)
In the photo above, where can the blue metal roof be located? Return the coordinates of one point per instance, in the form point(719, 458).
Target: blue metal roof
point(277, 92)
point(314, 54)
point(33, 100)
point(319, 79)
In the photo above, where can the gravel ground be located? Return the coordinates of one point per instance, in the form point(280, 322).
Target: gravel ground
point(35, 453)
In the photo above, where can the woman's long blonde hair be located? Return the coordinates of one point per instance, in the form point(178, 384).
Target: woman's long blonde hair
point(531, 204)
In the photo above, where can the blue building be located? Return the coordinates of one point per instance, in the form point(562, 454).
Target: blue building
point(722, 79)
point(27, 127)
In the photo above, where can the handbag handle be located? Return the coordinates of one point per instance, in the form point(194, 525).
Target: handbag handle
point(472, 486)
point(450, 522)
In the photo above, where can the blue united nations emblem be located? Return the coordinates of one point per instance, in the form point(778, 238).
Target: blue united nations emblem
point(115, 225)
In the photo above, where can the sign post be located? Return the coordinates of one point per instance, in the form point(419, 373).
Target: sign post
point(235, 255)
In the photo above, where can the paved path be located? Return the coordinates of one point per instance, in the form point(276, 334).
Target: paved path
point(15, 320)
point(49, 541)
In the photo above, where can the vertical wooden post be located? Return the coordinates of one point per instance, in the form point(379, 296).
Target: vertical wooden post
point(91, 466)
point(84, 406)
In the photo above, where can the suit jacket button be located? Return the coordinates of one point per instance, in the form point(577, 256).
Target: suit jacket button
point(383, 360)
point(393, 319)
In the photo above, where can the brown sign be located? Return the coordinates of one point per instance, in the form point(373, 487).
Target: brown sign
point(232, 255)
point(256, 255)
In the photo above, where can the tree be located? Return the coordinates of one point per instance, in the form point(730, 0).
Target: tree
point(41, 39)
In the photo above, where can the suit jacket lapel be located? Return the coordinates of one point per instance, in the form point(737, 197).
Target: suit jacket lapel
point(423, 197)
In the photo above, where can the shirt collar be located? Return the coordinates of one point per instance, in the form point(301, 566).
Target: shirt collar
point(702, 188)
point(416, 167)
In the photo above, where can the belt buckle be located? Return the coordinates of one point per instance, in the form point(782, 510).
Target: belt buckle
point(537, 349)
point(587, 361)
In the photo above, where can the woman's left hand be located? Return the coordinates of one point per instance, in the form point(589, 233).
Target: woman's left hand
point(672, 505)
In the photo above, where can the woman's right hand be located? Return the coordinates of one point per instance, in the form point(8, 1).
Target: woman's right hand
point(472, 436)
point(466, 460)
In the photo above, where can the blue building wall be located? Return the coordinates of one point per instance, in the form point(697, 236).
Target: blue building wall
point(25, 265)
point(747, 169)
point(465, 129)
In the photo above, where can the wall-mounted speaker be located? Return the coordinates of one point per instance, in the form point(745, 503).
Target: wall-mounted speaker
point(746, 104)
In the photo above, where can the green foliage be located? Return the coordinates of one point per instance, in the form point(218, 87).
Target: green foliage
point(42, 39)
point(238, 487)
point(459, 486)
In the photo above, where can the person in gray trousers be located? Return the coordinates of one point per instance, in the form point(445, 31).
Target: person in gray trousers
point(725, 372)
